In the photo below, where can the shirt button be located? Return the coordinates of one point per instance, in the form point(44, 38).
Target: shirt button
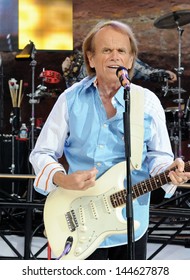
point(101, 146)
point(98, 164)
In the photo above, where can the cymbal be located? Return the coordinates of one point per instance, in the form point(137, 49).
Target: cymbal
point(172, 20)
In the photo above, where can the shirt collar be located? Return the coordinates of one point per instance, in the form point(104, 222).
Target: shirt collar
point(92, 81)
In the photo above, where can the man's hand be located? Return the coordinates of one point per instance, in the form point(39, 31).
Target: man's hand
point(173, 76)
point(178, 176)
point(79, 180)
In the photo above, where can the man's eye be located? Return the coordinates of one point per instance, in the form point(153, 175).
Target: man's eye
point(106, 51)
point(122, 51)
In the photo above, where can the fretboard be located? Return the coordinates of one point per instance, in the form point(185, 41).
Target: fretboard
point(148, 185)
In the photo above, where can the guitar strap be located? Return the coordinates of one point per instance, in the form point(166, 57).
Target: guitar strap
point(137, 125)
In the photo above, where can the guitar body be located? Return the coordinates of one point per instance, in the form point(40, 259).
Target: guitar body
point(76, 222)
point(85, 219)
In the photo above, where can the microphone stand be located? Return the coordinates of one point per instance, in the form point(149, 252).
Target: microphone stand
point(129, 204)
point(122, 74)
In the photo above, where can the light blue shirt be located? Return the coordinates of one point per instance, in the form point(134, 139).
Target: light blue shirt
point(79, 127)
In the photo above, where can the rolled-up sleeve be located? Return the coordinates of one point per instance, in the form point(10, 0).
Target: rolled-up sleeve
point(49, 147)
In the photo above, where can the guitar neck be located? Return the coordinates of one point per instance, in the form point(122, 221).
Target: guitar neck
point(151, 184)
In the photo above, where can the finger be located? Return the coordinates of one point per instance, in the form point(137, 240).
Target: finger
point(90, 179)
point(173, 177)
point(85, 179)
point(179, 164)
point(177, 178)
point(88, 174)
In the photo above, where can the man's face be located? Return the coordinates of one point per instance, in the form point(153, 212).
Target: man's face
point(112, 49)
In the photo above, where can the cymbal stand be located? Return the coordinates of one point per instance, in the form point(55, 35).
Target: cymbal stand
point(14, 121)
point(12, 167)
point(29, 197)
point(1, 96)
point(32, 100)
point(179, 70)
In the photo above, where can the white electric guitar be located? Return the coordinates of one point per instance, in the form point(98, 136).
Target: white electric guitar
point(76, 222)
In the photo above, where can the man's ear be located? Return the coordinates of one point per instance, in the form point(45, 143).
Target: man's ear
point(90, 59)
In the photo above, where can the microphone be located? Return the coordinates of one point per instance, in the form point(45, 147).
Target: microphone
point(122, 74)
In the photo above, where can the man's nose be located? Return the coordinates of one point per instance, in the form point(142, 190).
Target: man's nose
point(115, 55)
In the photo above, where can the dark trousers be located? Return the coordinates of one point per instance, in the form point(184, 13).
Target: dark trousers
point(120, 252)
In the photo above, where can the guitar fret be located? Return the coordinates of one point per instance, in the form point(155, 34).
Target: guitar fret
point(151, 184)
point(166, 178)
point(163, 179)
point(136, 191)
point(160, 179)
point(124, 196)
point(141, 188)
point(156, 182)
point(118, 198)
point(114, 200)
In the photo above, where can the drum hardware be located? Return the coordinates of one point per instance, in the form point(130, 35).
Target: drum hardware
point(28, 53)
point(32, 100)
point(39, 93)
point(42, 91)
point(179, 100)
point(176, 90)
point(161, 77)
point(175, 140)
point(173, 110)
point(1, 95)
point(176, 19)
point(187, 110)
point(166, 89)
point(15, 121)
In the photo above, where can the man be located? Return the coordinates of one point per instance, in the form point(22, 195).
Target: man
point(86, 124)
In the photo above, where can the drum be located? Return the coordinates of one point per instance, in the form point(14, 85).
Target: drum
point(185, 147)
point(51, 77)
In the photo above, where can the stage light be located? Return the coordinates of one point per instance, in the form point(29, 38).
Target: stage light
point(27, 52)
point(47, 23)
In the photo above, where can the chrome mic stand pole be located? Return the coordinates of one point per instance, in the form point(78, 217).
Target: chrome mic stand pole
point(33, 100)
point(122, 74)
point(179, 72)
point(29, 211)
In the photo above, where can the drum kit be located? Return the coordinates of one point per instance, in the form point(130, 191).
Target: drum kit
point(177, 117)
